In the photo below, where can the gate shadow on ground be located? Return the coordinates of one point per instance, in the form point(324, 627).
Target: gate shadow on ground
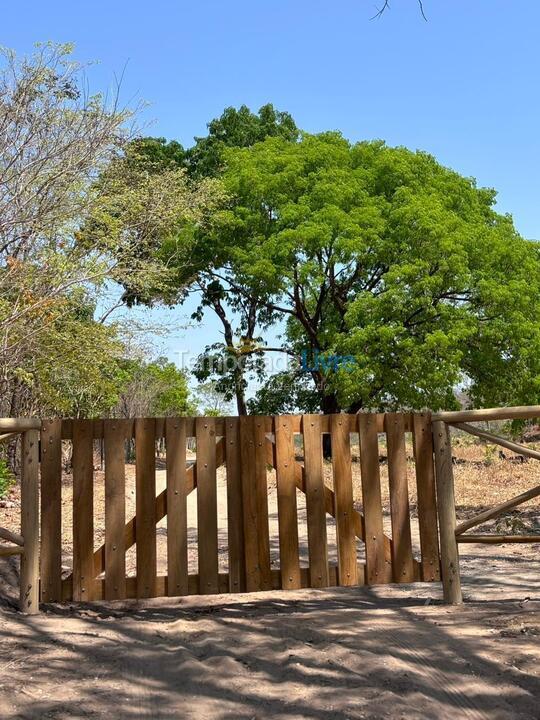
point(369, 652)
point(326, 655)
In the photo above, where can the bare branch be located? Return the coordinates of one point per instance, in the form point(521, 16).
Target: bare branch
point(386, 6)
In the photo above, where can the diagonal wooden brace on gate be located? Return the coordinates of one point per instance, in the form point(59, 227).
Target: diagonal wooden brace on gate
point(247, 446)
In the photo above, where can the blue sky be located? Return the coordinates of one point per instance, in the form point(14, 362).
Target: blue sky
point(463, 86)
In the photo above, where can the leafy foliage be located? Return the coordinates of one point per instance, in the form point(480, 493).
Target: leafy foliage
point(154, 388)
point(56, 138)
point(359, 250)
point(77, 371)
point(163, 260)
point(383, 254)
point(211, 402)
point(237, 128)
point(285, 393)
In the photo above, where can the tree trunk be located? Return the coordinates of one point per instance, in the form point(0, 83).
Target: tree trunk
point(239, 392)
point(329, 406)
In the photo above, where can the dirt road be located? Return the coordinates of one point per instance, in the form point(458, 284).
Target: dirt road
point(387, 652)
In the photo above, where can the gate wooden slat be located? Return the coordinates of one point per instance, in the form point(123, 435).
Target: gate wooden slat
point(161, 510)
point(83, 510)
point(207, 506)
point(247, 451)
point(427, 505)
point(51, 511)
point(177, 542)
point(145, 474)
point(235, 516)
point(402, 557)
point(263, 530)
point(377, 569)
point(115, 509)
point(287, 512)
point(251, 545)
point(315, 501)
point(341, 464)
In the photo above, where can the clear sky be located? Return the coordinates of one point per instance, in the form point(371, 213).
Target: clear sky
point(463, 86)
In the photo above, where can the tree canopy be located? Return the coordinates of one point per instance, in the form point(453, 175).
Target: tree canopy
point(384, 255)
point(357, 251)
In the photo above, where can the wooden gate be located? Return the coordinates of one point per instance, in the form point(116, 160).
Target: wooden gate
point(370, 548)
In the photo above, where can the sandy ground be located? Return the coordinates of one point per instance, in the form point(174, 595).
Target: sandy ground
point(380, 652)
point(386, 652)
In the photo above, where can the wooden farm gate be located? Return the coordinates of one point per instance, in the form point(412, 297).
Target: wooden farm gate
point(247, 446)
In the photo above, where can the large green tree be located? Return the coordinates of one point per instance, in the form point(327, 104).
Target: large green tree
point(377, 254)
point(384, 255)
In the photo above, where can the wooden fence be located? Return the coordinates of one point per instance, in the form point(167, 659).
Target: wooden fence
point(452, 534)
point(26, 543)
point(247, 447)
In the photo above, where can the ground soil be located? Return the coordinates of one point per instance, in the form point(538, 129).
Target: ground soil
point(379, 652)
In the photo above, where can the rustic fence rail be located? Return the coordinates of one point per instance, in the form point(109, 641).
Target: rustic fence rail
point(25, 544)
point(246, 446)
point(452, 534)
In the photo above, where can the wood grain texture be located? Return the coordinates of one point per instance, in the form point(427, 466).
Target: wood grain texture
point(177, 540)
point(289, 560)
point(83, 510)
point(29, 579)
point(51, 511)
point(261, 483)
point(249, 493)
point(145, 476)
point(402, 557)
point(315, 501)
point(343, 495)
point(207, 532)
point(115, 510)
point(378, 569)
point(296, 420)
point(427, 503)
point(235, 512)
point(446, 508)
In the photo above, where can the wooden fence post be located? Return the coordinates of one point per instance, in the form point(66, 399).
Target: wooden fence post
point(446, 508)
point(29, 577)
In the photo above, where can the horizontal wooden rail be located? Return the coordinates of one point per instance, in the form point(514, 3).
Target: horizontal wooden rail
point(496, 440)
point(219, 424)
point(98, 591)
point(498, 539)
point(6, 550)
point(6, 534)
point(16, 425)
point(497, 510)
point(509, 413)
